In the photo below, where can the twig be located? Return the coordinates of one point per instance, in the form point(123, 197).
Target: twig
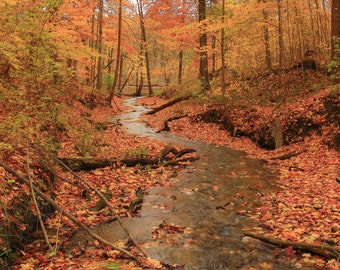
point(326, 251)
point(41, 222)
point(116, 105)
point(101, 195)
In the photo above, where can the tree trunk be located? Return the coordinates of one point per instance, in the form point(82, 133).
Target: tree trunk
point(109, 62)
point(140, 85)
point(120, 77)
point(213, 54)
point(277, 133)
point(335, 32)
point(266, 40)
point(93, 58)
point(180, 67)
point(203, 43)
point(126, 80)
point(280, 32)
point(289, 34)
point(100, 45)
point(119, 38)
point(223, 88)
point(180, 56)
point(144, 44)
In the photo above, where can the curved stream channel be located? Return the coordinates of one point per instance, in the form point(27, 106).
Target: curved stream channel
point(210, 198)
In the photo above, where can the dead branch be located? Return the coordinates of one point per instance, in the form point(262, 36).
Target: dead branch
point(166, 122)
point(170, 103)
point(105, 201)
point(42, 225)
point(184, 151)
point(323, 250)
point(67, 214)
point(169, 148)
point(286, 156)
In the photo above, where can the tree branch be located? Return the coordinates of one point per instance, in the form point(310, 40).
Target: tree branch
point(67, 214)
point(326, 251)
point(164, 106)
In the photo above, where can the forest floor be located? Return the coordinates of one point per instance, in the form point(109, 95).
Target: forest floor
point(305, 209)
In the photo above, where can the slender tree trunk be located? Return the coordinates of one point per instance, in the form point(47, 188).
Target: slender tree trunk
point(93, 58)
point(121, 62)
point(180, 55)
point(145, 47)
point(223, 88)
point(280, 32)
point(213, 48)
point(180, 67)
point(326, 23)
point(322, 28)
point(289, 34)
point(100, 45)
point(109, 61)
point(266, 40)
point(139, 72)
point(140, 83)
point(126, 80)
point(312, 23)
point(203, 43)
point(335, 41)
point(119, 38)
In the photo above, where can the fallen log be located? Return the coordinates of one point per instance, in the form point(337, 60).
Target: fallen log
point(170, 103)
point(131, 162)
point(286, 156)
point(87, 164)
point(323, 250)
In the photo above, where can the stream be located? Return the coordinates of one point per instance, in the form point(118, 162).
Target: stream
point(211, 201)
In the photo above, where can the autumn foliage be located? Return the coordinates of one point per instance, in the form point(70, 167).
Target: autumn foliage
point(57, 65)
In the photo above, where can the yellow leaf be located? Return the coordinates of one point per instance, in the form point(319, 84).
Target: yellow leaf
point(26, 266)
point(265, 265)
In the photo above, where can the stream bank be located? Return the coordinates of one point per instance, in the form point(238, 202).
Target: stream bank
point(306, 168)
point(198, 222)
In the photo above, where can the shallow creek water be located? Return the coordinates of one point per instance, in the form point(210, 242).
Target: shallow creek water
point(210, 199)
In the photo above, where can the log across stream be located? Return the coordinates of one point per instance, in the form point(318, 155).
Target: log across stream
point(199, 221)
